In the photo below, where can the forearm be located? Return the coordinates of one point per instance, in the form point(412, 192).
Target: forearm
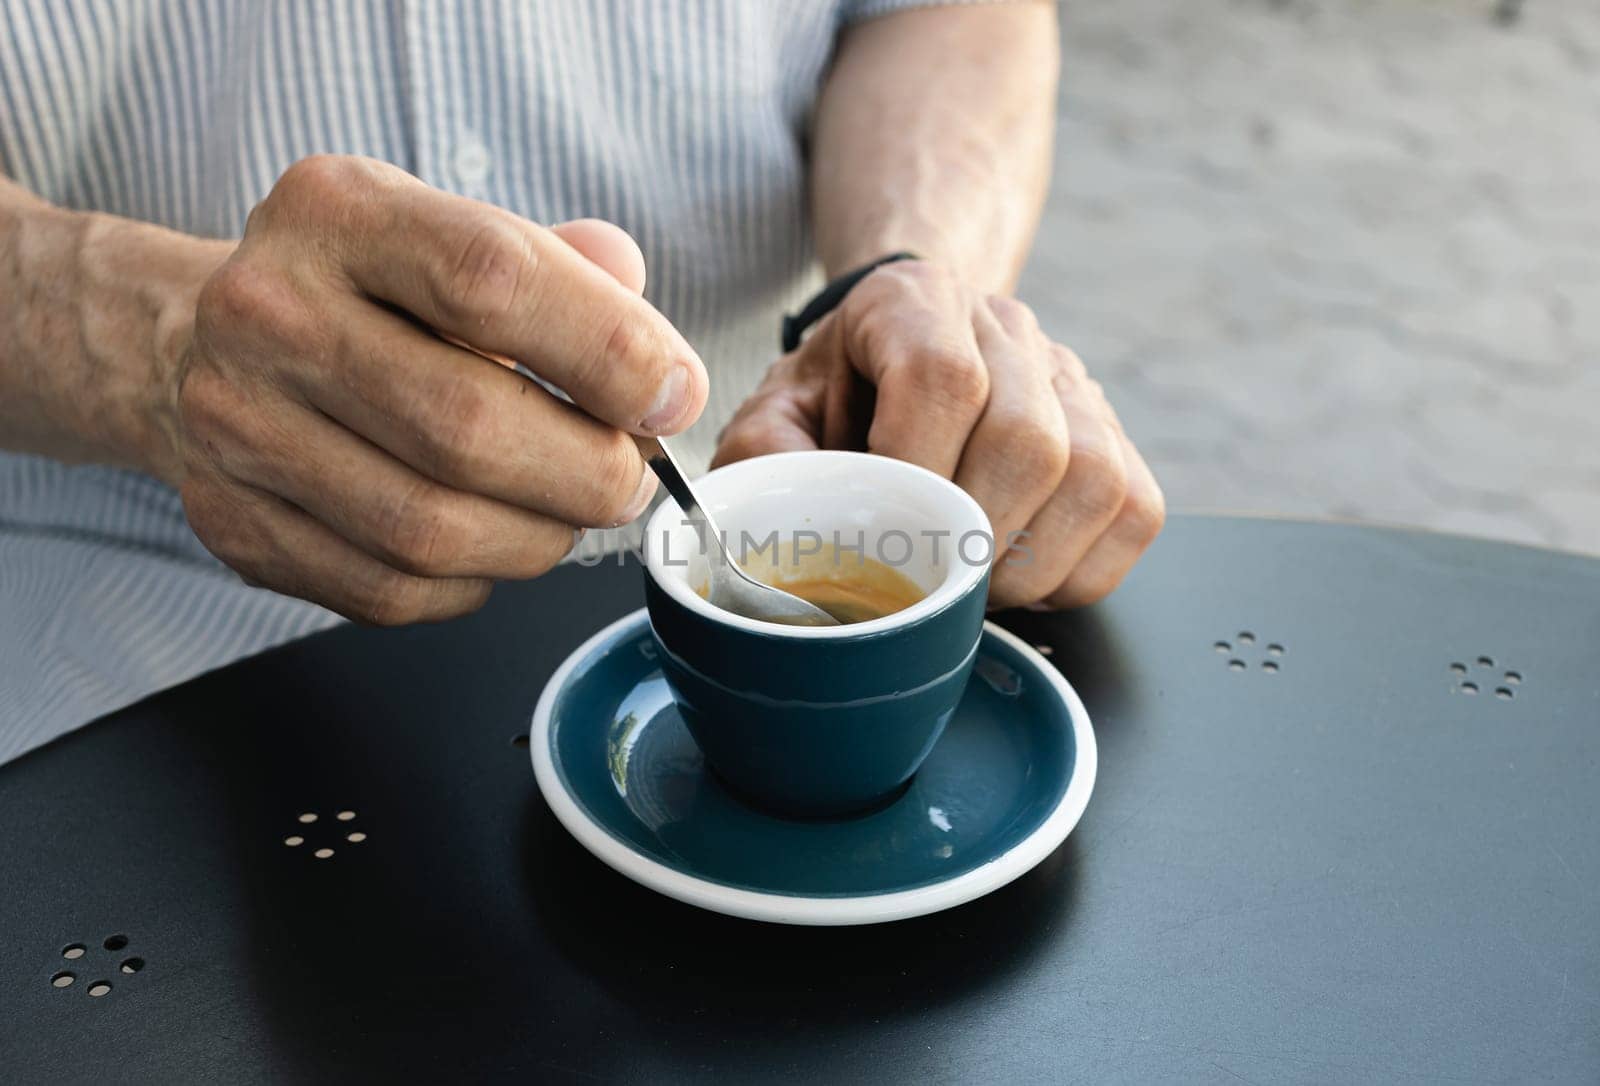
point(933, 134)
point(95, 312)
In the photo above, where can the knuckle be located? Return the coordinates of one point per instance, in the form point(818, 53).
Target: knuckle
point(316, 171)
point(487, 275)
point(615, 344)
point(624, 362)
point(623, 340)
point(951, 379)
point(633, 354)
point(310, 185)
point(333, 194)
point(615, 474)
point(388, 597)
point(459, 437)
point(239, 292)
point(419, 532)
point(1026, 439)
point(322, 179)
point(1014, 315)
point(1099, 480)
point(1145, 513)
point(1068, 364)
point(251, 297)
point(547, 549)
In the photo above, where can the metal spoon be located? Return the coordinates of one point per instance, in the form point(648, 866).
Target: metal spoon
point(730, 587)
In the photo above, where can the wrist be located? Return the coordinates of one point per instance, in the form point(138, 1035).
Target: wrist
point(134, 304)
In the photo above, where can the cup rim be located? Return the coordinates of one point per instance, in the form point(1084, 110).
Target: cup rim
point(955, 586)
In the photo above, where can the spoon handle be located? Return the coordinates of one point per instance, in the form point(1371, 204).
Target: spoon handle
point(671, 475)
point(665, 465)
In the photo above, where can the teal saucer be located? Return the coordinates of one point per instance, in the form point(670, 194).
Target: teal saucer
point(1002, 788)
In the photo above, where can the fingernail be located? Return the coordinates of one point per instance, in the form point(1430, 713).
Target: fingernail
point(671, 401)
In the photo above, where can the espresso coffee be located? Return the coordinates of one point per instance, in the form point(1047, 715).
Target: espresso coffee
point(855, 593)
point(849, 586)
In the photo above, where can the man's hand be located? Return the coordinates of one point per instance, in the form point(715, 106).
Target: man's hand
point(933, 135)
point(336, 448)
point(915, 365)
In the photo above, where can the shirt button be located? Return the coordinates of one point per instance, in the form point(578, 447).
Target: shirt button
point(472, 161)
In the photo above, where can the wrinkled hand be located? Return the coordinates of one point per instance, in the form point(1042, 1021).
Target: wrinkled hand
point(915, 365)
point(336, 448)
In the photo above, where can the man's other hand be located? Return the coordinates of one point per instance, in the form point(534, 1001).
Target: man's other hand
point(916, 365)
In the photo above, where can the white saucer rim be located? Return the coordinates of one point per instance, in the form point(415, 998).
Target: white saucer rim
point(800, 909)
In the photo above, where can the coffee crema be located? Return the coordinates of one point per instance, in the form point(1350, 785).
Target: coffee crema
point(852, 589)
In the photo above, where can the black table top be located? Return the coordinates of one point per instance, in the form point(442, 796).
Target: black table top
point(1342, 870)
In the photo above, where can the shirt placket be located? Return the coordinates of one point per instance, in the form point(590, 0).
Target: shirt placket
point(446, 61)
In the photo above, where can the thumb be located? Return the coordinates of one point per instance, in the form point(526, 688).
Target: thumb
point(607, 245)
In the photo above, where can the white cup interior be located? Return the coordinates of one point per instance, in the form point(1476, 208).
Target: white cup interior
point(923, 526)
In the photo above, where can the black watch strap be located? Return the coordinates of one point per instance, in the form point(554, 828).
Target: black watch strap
point(828, 298)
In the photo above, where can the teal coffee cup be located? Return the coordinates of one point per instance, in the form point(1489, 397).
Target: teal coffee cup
point(821, 721)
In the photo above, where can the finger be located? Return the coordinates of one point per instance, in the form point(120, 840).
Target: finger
point(455, 418)
point(921, 354)
point(390, 511)
point(771, 423)
point(271, 543)
point(602, 244)
point(790, 411)
point(607, 246)
point(1017, 455)
point(1111, 557)
point(848, 400)
point(503, 284)
point(1090, 495)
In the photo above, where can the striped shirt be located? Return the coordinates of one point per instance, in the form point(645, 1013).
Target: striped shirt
point(681, 121)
